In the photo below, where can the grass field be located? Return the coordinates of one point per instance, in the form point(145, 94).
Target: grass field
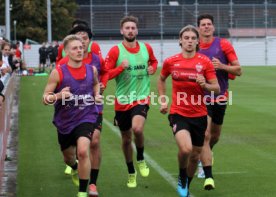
point(244, 158)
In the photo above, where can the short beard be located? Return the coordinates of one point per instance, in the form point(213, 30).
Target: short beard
point(130, 39)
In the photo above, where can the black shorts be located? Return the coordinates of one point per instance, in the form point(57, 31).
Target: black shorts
point(123, 119)
point(217, 111)
point(83, 130)
point(196, 126)
point(42, 61)
point(99, 122)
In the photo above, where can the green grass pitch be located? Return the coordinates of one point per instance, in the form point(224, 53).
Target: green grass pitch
point(245, 156)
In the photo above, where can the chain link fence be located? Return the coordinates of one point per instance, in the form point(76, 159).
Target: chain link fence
point(166, 18)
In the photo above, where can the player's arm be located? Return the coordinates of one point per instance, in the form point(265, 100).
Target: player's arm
point(161, 86)
point(49, 97)
point(209, 85)
point(104, 75)
point(110, 63)
point(209, 81)
point(152, 60)
point(96, 87)
point(229, 51)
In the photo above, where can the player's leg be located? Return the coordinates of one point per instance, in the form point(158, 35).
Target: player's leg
point(68, 148)
point(139, 115)
point(198, 130)
point(184, 143)
point(95, 157)
point(69, 156)
point(180, 128)
point(123, 120)
point(83, 135)
point(217, 122)
point(206, 153)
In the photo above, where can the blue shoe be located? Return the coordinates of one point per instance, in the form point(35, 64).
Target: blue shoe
point(182, 190)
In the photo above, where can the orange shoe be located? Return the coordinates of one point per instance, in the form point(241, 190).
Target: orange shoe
point(93, 190)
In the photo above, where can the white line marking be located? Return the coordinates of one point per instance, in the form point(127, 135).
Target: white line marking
point(241, 172)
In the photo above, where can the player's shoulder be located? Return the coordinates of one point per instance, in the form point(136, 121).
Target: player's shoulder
point(145, 43)
point(202, 57)
point(174, 58)
point(114, 49)
point(61, 46)
point(96, 44)
point(224, 41)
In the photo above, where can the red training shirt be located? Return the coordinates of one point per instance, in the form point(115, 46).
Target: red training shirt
point(187, 95)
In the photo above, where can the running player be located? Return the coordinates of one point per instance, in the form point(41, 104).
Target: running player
point(192, 74)
point(93, 59)
point(73, 88)
point(131, 62)
point(223, 56)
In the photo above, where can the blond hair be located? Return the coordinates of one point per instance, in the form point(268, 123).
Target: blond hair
point(69, 39)
point(189, 28)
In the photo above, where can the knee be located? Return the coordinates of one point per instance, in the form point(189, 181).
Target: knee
point(83, 154)
point(126, 141)
point(185, 150)
point(137, 130)
point(69, 159)
point(195, 156)
point(95, 143)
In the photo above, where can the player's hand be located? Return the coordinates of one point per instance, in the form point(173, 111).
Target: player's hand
point(164, 108)
point(65, 93)
point(150, 70)
point(217, 64)
point(102, 88)
point(98, 99)
point(125, 64)
point(200, 79)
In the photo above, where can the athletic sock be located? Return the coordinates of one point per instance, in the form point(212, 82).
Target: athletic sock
point(183, 176)
point(130, 168)
point(83, 185)
point(189, 181)
point(94, 176)
point(140, 153)
point(75, 166)
point(208, 171)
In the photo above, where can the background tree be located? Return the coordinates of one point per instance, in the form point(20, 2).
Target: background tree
point(31, 17)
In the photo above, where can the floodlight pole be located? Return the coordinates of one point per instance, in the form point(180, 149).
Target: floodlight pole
point(231, 14)
point(49, 21)
point(161, 31)
point(266, 23)
point(14, 30)
point(196, 12)
point(91, 14)
point(126, 11)
point(8, 19)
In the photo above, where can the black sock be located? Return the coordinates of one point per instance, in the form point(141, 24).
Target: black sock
point(130, 168)
point(94, 176)
point(75, 166)
point(183, 176)
point(83, 185)
point(140, 153)
point(189, 181)
point(208, 171)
